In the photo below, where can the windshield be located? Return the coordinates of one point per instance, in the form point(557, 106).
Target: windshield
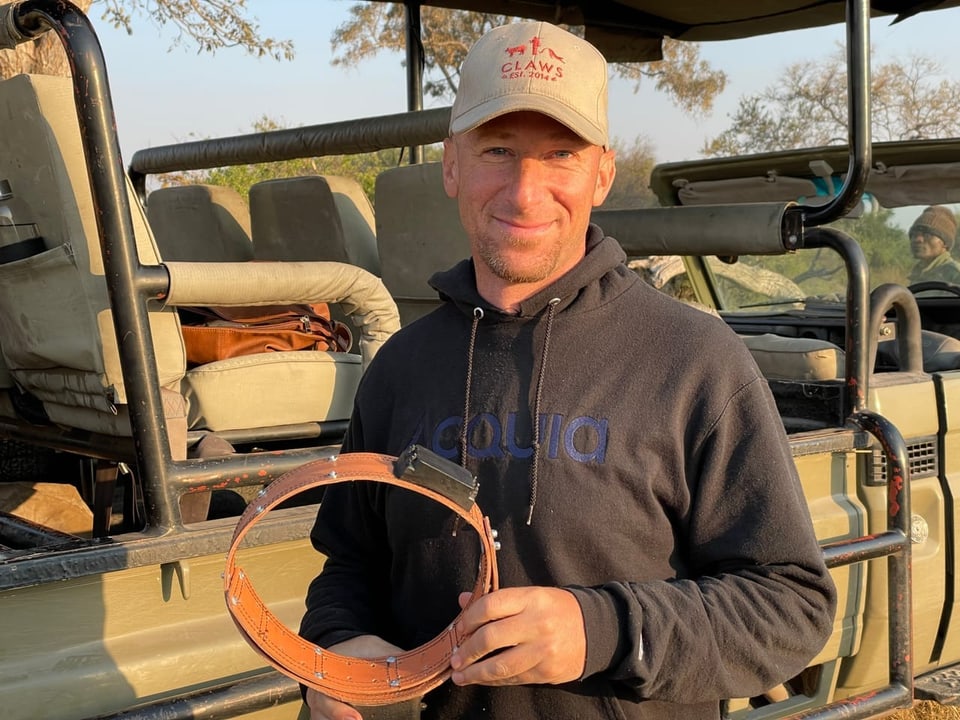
point(772, 283)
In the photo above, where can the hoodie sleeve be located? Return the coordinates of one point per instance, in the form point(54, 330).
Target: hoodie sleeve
point(758, 602)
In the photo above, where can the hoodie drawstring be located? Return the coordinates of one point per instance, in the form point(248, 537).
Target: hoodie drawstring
point(538, 398)
point(535, 465)
point(477, 317)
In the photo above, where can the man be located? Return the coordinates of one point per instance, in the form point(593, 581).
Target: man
point(656, 552)
point(931, 238)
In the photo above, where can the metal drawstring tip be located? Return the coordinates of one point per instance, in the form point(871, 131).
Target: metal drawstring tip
point(530, 514)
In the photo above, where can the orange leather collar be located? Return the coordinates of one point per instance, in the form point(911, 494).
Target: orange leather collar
point(374, 681)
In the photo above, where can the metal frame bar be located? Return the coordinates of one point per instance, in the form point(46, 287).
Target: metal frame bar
point(858, 113)
point(131, 284)
point(415, 61)
point(894, 544)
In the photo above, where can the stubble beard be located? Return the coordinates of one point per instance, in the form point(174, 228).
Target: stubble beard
point(494, 257)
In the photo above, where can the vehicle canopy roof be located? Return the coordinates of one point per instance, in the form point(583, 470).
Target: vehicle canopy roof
point(632, 30)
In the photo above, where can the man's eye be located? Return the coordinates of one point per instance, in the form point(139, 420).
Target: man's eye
point(496, 151)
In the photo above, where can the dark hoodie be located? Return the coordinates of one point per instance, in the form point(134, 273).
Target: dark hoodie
point(663, 496)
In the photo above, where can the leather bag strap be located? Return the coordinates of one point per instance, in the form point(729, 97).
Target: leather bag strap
point(359, 681)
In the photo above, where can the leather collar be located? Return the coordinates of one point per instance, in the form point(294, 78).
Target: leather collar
point(359, 681)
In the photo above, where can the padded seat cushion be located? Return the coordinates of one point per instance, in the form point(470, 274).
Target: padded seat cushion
point(271, 389)
point(786, 358)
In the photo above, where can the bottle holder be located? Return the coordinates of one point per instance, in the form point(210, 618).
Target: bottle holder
point(19, 241)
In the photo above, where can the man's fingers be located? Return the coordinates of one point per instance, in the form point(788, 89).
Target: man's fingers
point(490, 607)
point(326, 708)
point(489, 638)
point(507, 667)
point(520, 635)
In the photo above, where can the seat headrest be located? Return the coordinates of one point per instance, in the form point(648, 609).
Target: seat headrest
point(200, 223)
point(418, 228)
point(314, 217)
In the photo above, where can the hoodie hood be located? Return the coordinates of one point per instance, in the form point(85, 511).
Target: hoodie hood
point(603, 255)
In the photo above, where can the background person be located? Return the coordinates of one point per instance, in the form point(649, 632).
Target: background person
point(931, 238)
point(657, 553)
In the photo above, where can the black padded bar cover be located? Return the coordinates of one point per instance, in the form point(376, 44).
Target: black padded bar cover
point(340, 138)
point(743, 229)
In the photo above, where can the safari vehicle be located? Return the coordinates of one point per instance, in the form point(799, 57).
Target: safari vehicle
point(110, 565)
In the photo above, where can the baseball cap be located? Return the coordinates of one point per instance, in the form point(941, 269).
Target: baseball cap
point(534, 66)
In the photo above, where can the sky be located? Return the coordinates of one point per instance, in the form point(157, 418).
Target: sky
point(164, 93)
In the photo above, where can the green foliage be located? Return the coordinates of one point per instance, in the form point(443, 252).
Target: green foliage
point(819, 272)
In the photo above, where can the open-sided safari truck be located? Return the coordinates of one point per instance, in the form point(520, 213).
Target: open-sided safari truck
point(133, 465)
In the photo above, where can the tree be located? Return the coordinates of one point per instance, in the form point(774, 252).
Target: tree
point(43, 56)
point(820, 272)
point(448, 34)
point(631, 187)
point(911, 100)
point(212, 24)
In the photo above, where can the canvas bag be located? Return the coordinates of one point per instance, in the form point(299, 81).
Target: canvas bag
point(218, 333)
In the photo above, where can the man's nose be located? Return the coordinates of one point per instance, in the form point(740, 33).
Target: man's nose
point(529, 182)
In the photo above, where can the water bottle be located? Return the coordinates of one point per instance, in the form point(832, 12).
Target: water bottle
point(12, 245)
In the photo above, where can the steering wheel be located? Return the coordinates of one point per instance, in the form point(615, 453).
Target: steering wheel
point(935, 285)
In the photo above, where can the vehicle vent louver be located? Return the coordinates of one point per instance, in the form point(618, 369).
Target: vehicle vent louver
point(921, 456)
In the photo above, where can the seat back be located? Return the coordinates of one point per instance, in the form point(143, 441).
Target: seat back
point(56, 327)
point(200, 223)
point(418, 234)
point(314, 217)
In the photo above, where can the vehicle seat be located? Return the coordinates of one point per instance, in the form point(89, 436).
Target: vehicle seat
point(418, 233)
point(940, 352)
point(314, 217)
point(56, 326)
point(74, 367)
point(795, 358)
point(210, 223)
point(200, 223)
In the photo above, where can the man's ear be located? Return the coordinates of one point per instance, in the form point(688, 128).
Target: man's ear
point(451, 168)
point(605, 175)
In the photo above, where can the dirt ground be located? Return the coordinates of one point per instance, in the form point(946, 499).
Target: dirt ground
point(927, 711)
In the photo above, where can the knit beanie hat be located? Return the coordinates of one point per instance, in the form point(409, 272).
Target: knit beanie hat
point(937, 220)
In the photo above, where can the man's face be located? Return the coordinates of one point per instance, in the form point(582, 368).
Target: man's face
point(925, 246)
point(526, 185)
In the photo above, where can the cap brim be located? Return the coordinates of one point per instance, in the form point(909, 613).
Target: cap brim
point(516, 102)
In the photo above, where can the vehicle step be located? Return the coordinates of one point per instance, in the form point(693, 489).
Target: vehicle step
point(942, 686)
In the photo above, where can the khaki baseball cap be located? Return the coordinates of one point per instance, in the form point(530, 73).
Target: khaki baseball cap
point(534, 66)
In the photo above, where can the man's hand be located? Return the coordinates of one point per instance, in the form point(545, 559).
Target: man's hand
point(362, 646)
point(536, 633)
